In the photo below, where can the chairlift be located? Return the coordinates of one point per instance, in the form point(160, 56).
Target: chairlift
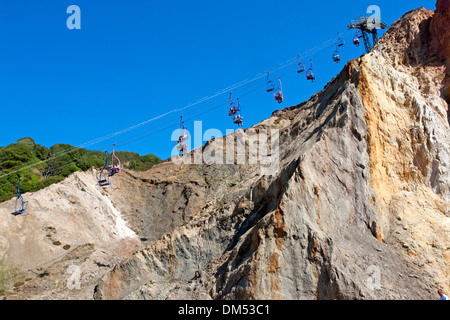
point(103, 178)
point(310, 73)
point(270, 85)
point(183, 136)
point(279, 93)
point(340, 42)
point(300, 65)
point(115, 168)
point(336, 56)
point(238, 119)
point(181, 144)
point(21, 205)
point(234, 108)
point(356, 40)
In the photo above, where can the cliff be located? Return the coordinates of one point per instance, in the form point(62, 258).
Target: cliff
point(356, 208)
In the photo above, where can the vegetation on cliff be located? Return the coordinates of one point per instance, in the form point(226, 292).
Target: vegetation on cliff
point(40, 166)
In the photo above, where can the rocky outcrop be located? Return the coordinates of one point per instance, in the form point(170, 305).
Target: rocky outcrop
point(440, 41)
point(356, 208)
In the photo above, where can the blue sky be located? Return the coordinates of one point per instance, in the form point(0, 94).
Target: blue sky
point(134, 60)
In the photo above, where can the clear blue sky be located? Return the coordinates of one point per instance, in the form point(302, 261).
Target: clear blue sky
point(134, 60)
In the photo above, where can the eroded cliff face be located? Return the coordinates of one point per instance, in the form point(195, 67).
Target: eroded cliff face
point(358, 210)
point(358, 207)
point(75, 232)
point(440, 41)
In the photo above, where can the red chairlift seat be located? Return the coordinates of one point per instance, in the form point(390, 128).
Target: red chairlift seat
point(278, 95)
point(310, 73)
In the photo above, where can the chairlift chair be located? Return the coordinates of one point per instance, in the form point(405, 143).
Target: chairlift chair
point(238, 118)
point(336, 57)
point(115, 168)
point(234, 108)
point(270, 85)
point(183, 136)
point(21, 205)
point(340, 42)
point(310, 73)
point(103, 178)
point(300, 65)
point(181, 144)
point(182, 147)
point(356, 40)
point(279, 93)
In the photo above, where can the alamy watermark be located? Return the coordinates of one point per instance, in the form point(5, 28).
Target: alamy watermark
point(374, 277)
point(73, 282)
point(375, 16)
point(254, 146)
point(74, 20)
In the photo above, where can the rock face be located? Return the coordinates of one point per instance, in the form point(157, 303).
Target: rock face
point(440, 40)
point(357, 208)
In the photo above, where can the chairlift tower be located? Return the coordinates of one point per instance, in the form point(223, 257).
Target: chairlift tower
point(366, 26)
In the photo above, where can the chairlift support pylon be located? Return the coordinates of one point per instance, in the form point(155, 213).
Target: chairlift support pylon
point(367, 25)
